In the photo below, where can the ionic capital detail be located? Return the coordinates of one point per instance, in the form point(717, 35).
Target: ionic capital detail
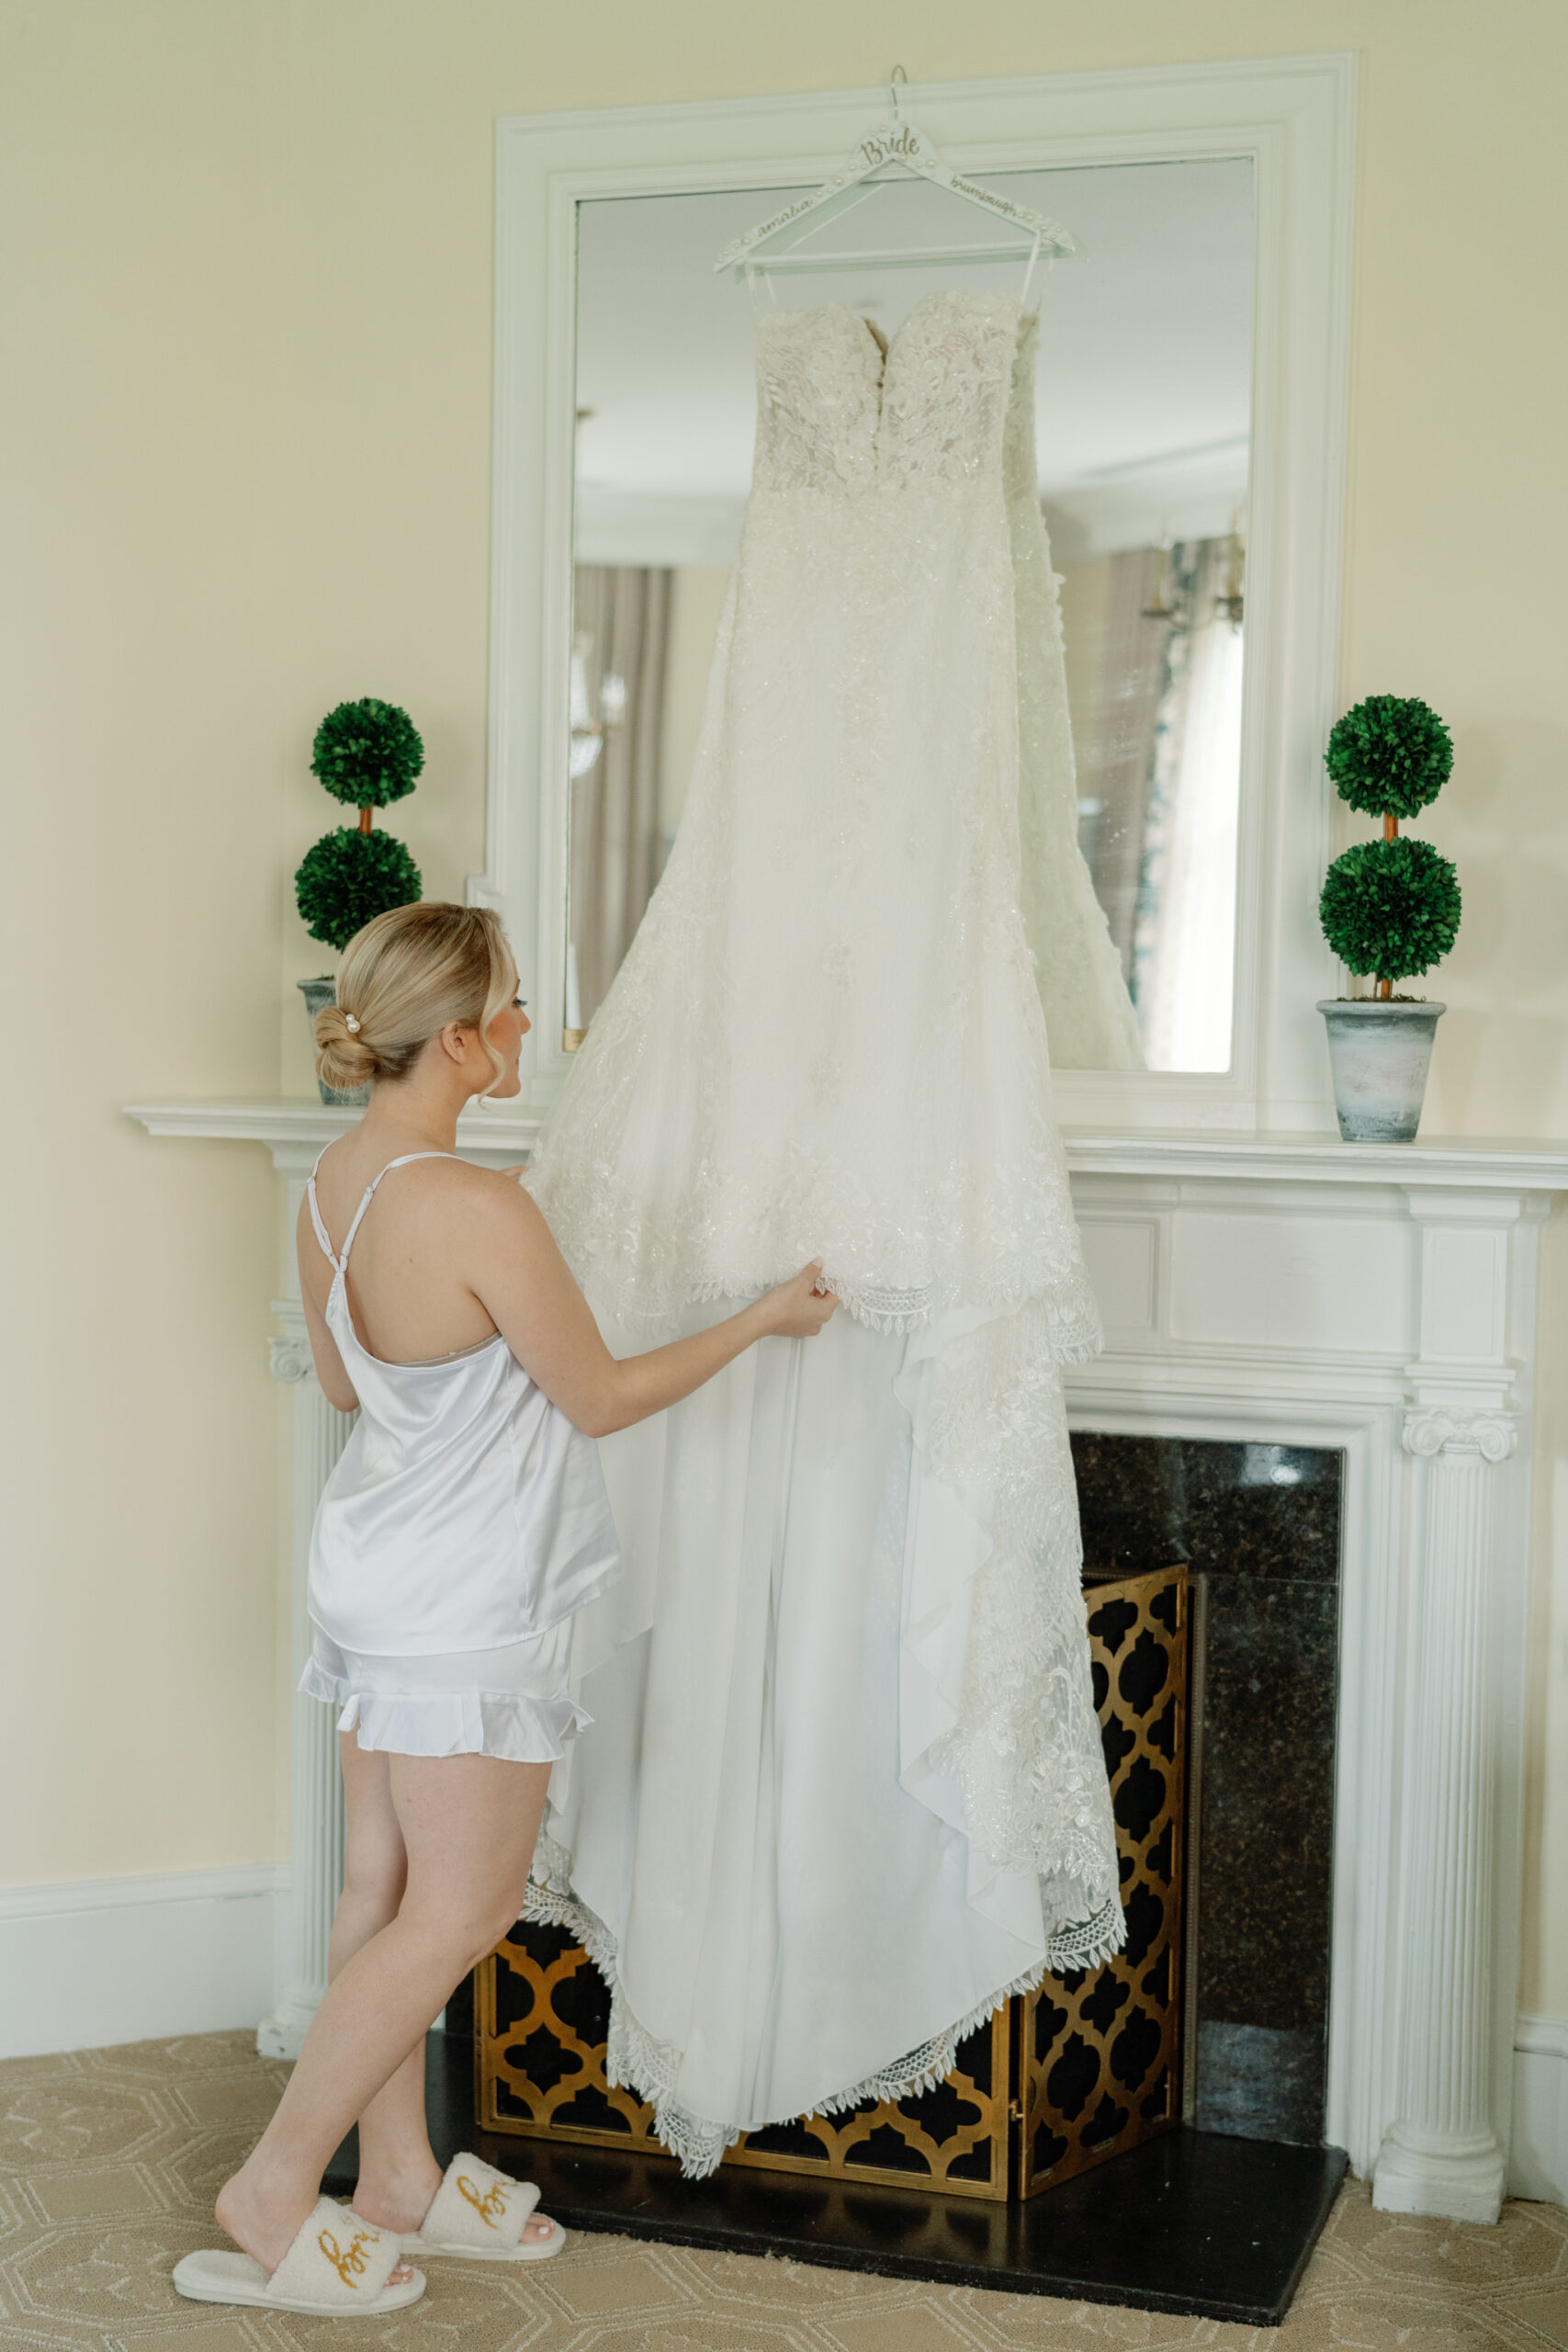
point(290, 1359)
point(1432, 1429)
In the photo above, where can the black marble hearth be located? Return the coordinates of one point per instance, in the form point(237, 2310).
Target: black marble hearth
point(1196, 2222)
point(1259, 1525)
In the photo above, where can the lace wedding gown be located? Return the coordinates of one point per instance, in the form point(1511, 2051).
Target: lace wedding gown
point(843, 1789)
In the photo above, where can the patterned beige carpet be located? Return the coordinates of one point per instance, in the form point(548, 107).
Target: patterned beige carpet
point(110, 2160)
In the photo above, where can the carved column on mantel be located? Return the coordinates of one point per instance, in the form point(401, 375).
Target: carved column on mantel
point(1445, 2151)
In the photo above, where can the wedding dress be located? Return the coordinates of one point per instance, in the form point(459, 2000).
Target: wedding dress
point(843, 1789)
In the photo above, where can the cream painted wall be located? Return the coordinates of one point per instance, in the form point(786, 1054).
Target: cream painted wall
point(246, 442)
point(146, 714)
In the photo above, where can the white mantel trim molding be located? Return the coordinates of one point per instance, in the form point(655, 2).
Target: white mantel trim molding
point(1278, 1290)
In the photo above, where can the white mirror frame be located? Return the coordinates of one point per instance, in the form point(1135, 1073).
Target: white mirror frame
point(1294, 116)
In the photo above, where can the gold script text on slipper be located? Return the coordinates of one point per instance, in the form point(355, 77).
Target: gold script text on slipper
point(478, 2215)
point(339, 2266)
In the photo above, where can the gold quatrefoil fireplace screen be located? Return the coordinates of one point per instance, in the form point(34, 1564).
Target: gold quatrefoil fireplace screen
point(1060, 2079)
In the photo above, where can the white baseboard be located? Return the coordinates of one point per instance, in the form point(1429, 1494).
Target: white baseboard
point(1538, 2163)
point(98, 1961)
point(93, 1961)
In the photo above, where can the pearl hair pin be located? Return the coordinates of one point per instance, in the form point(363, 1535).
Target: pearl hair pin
point(351, 1024)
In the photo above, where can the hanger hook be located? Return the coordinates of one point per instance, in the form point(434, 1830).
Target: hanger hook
point(894, 79)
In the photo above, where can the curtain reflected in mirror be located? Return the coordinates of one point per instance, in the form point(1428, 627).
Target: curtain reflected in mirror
point(620, 660)
point(1142, 429)
point(1154, 654)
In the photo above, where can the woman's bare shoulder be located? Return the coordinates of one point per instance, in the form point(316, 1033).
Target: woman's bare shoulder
point(497, 1185)
point(490, 1194)
point(491, 1224)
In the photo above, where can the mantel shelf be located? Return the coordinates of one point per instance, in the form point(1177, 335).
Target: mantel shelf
point(1492, 1163)
point(295, 1120)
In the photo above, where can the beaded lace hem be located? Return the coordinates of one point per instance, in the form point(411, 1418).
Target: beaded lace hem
point(637, 2062)
point(1023, 1743)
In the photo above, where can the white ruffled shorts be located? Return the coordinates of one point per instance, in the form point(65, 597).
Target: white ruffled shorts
point(512, 1702)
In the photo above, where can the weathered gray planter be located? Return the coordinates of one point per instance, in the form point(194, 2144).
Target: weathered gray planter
point(1380, 1051)
point(318, 995)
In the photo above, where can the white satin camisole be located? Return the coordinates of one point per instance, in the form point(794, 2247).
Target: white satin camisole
point(465, 1512)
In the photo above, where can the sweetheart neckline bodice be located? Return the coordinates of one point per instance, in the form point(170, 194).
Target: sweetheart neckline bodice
point(837, 414)
point(957, 298)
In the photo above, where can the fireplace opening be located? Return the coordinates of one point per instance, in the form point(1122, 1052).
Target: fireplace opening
point(1259, 1526)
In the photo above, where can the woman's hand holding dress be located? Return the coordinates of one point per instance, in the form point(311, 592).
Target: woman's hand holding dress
point(519, 1276)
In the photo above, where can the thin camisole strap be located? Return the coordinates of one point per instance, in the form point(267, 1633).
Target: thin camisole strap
point(335, 1259)
point(321, 1234)
point(370, 1195)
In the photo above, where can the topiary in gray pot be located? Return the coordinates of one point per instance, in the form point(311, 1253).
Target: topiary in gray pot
point(1389, 908)
point(367, 753)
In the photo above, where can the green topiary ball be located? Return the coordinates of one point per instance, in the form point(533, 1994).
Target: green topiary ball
point(348, 877)
point(1390, 908)
point(368, 753)
point(1390, 753)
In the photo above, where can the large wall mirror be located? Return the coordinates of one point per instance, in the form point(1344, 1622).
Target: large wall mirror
point(1188, 413)
point(1143, 424)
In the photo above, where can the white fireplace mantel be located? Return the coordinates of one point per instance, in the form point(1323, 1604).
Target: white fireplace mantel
point(295, 1124)
point(1280, 1290)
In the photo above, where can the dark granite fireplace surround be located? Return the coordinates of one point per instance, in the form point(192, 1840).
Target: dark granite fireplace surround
point(1260, 1526)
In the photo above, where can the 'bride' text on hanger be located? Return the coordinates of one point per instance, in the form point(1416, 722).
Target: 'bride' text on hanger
point(899, 143)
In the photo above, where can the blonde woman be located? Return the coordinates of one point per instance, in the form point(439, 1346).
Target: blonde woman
point(465, 1523)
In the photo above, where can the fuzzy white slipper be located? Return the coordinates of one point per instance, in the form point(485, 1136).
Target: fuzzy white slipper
point(479, 2215)
point(336, 2268)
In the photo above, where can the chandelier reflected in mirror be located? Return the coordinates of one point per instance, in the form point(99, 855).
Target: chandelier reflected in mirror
point(589, 727)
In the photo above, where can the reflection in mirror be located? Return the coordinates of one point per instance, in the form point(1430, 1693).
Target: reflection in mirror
point(1142, 426)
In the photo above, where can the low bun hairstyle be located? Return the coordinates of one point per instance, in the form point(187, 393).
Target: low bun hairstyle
point(341, 1059)
point(403, 979)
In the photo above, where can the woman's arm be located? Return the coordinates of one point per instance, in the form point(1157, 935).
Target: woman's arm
point(331, 1370)
point(527, 1288)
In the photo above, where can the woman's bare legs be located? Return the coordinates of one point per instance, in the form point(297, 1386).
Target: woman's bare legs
point(398, 2172)
point(468, 1825)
